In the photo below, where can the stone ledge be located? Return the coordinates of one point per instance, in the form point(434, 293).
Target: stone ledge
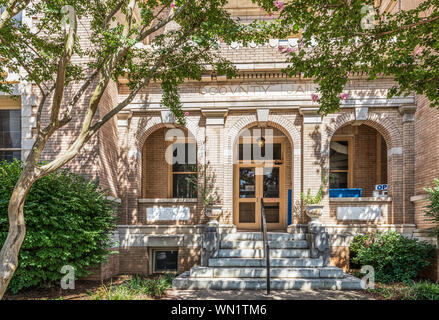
point(167, 200)
point(361, 199)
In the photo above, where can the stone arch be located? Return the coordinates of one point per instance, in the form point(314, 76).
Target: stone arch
point(154, 124)
point(391, 133)
point(286, 127)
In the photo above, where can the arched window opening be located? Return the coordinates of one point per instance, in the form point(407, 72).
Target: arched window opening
point(357, 161)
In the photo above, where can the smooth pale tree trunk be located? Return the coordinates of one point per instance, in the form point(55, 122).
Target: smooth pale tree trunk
point(17, 228)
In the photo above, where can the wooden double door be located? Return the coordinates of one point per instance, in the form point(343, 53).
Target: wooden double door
point(255, 181)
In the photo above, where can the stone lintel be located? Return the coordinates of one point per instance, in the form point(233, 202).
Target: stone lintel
point(310, 115)
point(361, 114)
point(215, 117)
point(168, 118)
point(262, 115)
point(408, 113)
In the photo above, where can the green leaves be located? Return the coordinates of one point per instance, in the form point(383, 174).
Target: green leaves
point(394, 257)
point(432, 211)
point(339, 38)
point(68, 221)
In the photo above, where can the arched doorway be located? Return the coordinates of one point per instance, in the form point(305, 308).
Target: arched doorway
point(262, 177)
point(358, 159)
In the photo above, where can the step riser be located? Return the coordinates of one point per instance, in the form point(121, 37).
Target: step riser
point(259, 253)
point(293, 262)
point(260, 284)
point(258, 236)
point(298, 244)
point(262, 273)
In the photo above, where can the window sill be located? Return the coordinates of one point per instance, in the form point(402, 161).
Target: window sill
point(168, 200)
point(361, 199)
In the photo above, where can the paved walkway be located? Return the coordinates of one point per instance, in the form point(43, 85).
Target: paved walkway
point(261, 295)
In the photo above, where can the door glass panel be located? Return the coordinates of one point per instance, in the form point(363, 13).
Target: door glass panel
point(247, 182)
point(271, 182)
point(270, 151)
point(271, 211)
point(247, 212)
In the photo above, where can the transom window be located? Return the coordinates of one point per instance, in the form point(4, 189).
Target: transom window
point(10, 134)
point(340, 172)
point(183, 173)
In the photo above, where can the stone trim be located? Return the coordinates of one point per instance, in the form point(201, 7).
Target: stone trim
point(361, 199)
point(167, 200)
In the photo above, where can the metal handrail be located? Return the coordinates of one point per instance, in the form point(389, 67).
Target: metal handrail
point(266, 244)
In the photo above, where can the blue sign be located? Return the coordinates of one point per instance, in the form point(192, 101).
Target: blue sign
point(381, 187)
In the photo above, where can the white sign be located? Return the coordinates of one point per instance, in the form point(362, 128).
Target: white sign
point(359, 213)
point(175, 213)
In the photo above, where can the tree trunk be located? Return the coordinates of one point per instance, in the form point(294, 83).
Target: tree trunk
point(17, 229)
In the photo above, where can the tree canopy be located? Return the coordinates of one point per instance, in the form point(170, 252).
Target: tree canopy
point(339, 38)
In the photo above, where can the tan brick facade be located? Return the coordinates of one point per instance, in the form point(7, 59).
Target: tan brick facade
point(127, 156)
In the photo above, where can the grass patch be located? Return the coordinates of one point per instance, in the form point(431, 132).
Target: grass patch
point(136, 288)
point(422, 290)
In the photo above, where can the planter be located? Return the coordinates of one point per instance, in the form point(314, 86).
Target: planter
point(213, 212)
point(314, 212)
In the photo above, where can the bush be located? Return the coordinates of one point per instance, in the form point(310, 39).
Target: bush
point(68, 221)
point(433, 206)
point(394, 257)
point(408, 291)
point(136, 288)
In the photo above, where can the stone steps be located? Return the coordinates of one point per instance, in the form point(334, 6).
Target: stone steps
point(240, 265)
point(185, 282)
point(257, 236)
point(275, 262)
point(259, 253)
point(248, 244)
point(260, 272)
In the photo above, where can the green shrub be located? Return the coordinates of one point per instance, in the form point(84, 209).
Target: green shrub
point(423, 290)
point(68, 221)
point(136, 288)
point(433, 207)
point(394, 257)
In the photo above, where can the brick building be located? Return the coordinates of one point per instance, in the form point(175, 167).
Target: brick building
point(232, 125)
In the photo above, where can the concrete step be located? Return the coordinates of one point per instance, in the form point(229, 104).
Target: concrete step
point(185, 282)
point(275, 262)
point(257, 236)
point(259, 253)
point(250, 244)
point(259, 272)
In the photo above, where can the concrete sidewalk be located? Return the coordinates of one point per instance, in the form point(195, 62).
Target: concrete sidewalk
point(261, 295)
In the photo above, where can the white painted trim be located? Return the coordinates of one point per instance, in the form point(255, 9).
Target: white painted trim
point(394, 151)
point(167, 200)
point(419, 197)
point(361, 199)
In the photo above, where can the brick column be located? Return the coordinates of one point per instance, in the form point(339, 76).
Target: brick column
point(214, 150)
point(312, 157)
point(408, 155)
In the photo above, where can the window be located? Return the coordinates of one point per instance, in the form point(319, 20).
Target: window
point(340, 174)
point(184, 171)
point(10, 134)
point(164, 260)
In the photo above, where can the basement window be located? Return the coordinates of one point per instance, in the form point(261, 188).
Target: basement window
point(165, 260)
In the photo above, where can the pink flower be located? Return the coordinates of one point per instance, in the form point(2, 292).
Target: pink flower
point(280, 48)
point(280, 5)
point(173, 5)
point(186, 114)
point(344, 96)
point(290, 50)
point(419, 51)
point(315, 97)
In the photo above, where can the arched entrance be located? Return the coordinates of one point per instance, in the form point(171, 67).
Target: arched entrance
point(262, 177)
